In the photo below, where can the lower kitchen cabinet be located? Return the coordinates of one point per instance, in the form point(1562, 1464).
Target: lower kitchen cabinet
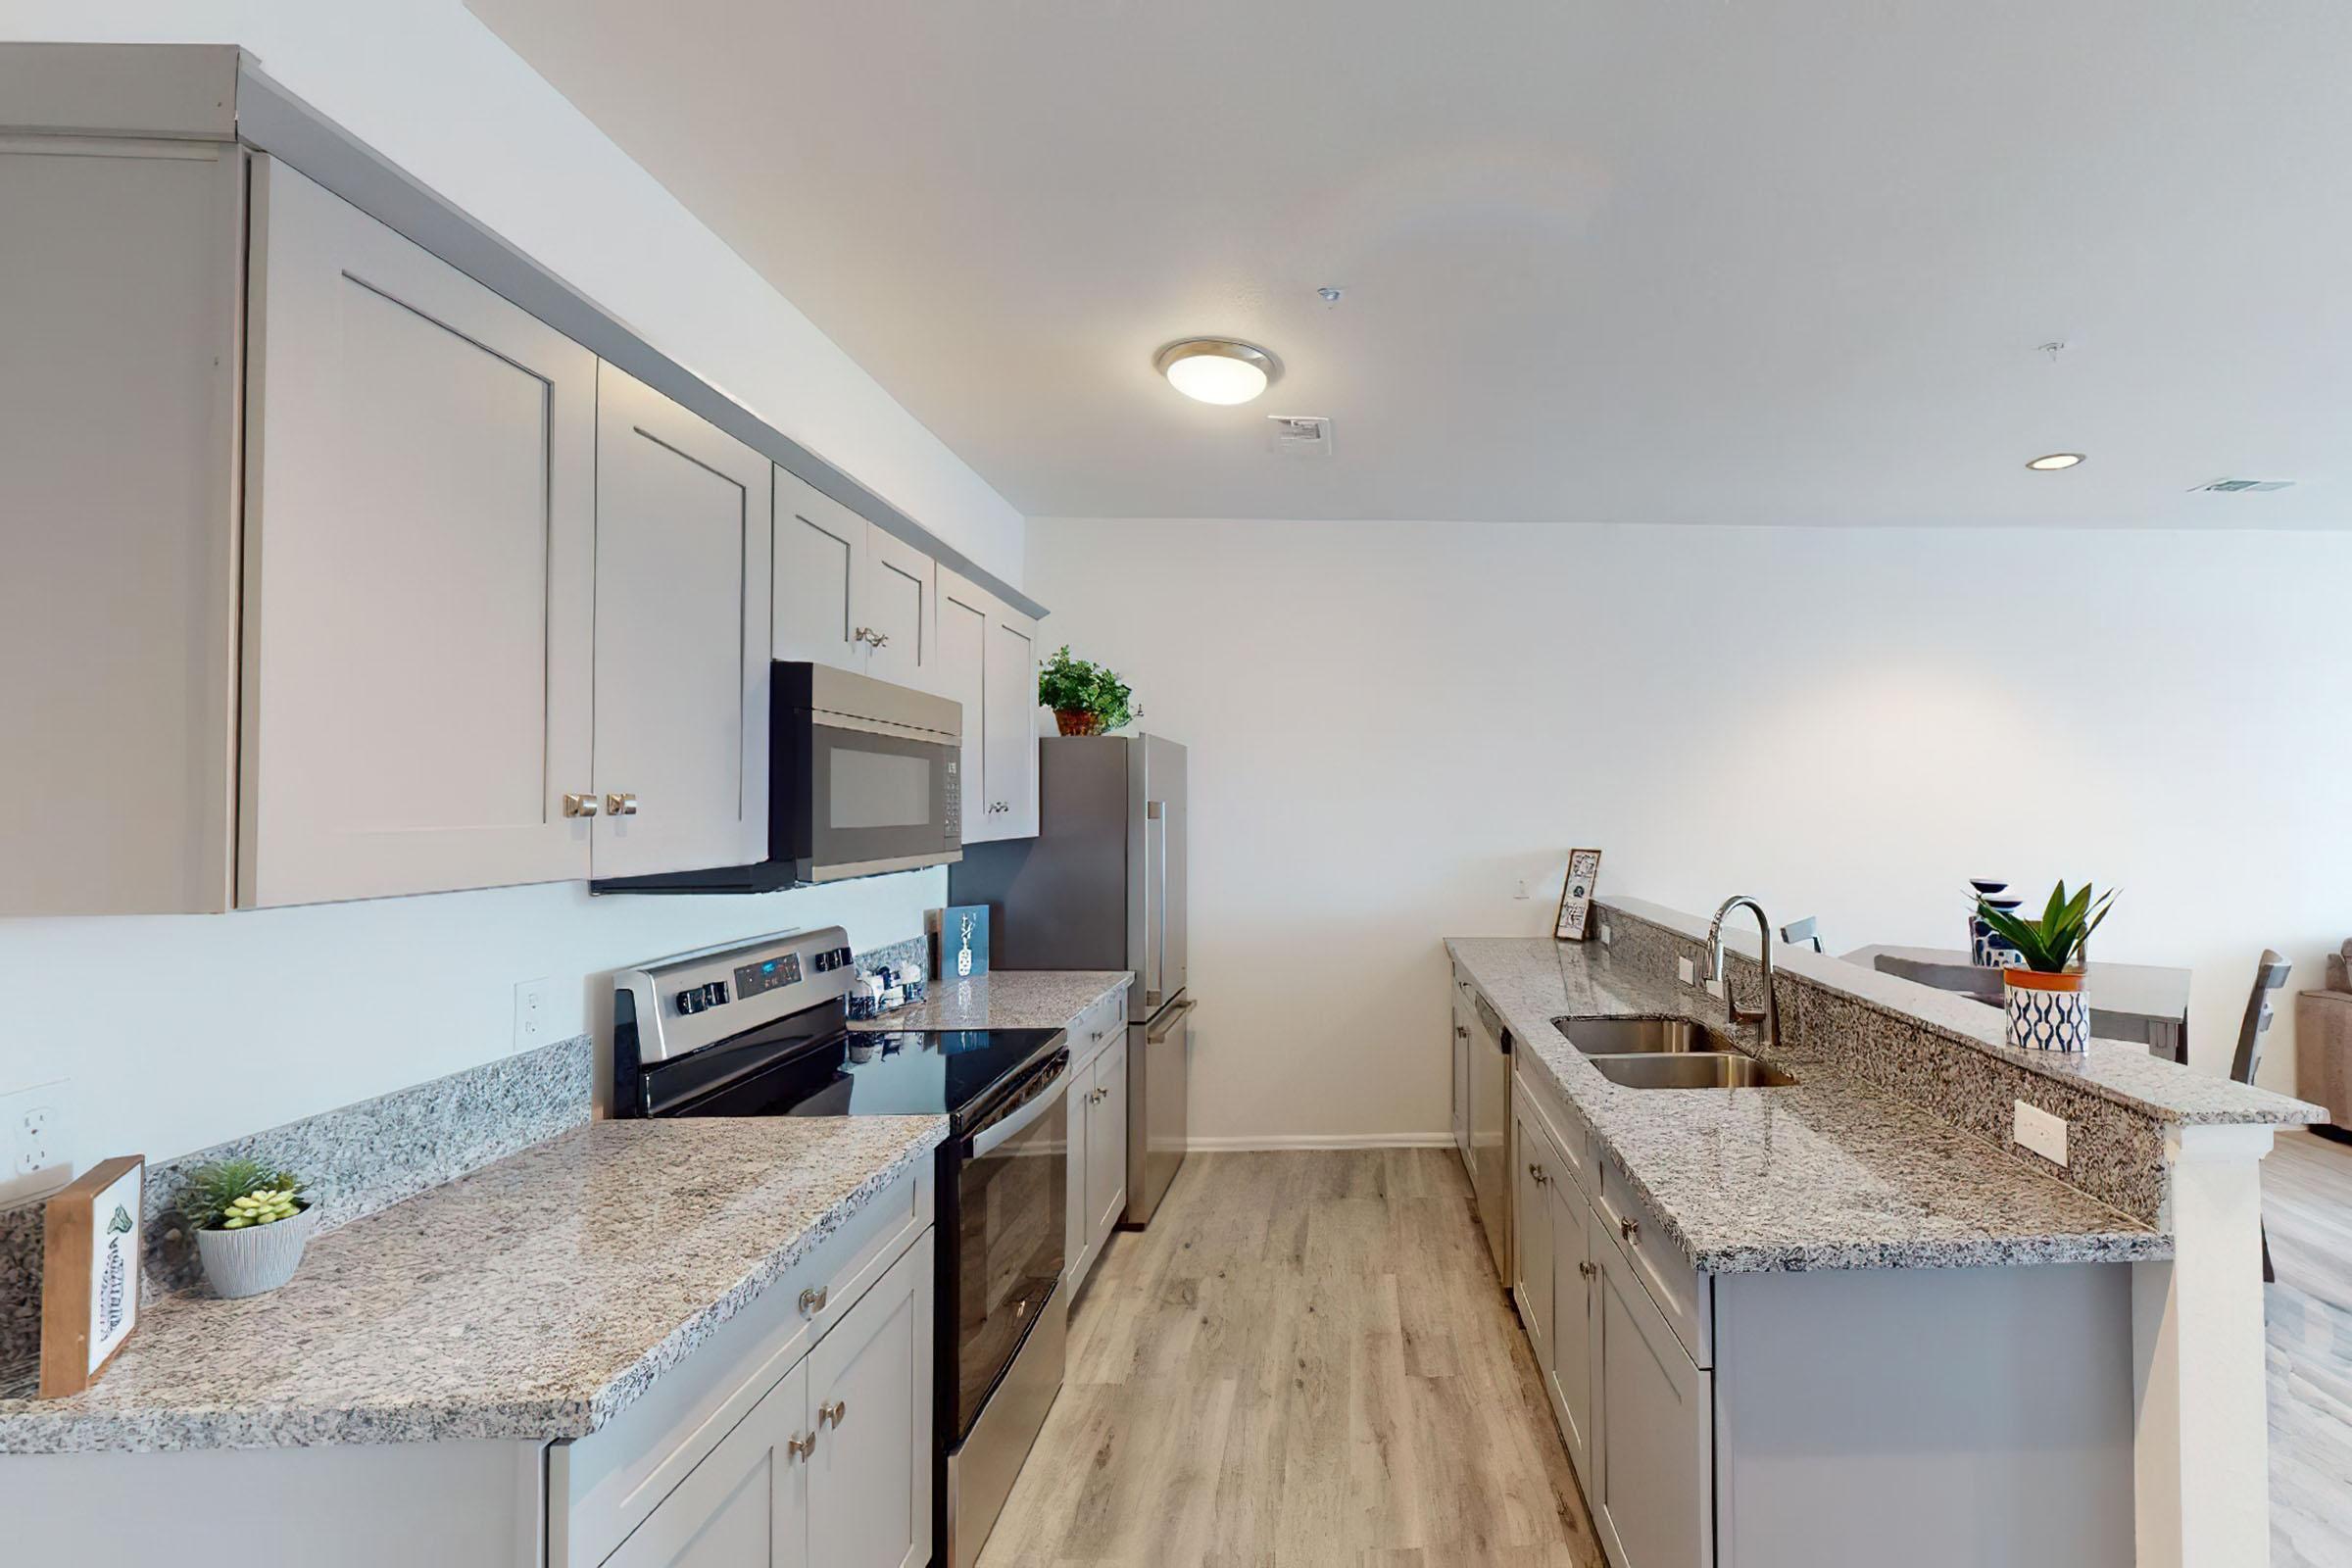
point(1532, 1225)
point(1097, 1180)
point(1651, 1475)
point(744, 1507)
point(1574, 1271)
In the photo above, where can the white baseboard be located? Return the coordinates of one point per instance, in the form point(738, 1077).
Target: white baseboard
point(1265, 1141)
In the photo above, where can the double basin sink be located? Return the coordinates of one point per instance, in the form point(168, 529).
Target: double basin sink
point(1653, 1053)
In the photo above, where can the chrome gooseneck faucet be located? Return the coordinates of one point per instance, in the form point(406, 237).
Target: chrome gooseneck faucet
point(1770, 1014)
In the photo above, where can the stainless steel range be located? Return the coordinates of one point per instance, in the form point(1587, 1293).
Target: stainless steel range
point(759, 1029)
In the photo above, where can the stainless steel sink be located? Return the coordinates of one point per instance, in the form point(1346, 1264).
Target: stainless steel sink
point(1696, 1069)
point(1638, 1036)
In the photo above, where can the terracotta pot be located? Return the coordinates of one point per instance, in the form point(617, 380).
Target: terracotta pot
point(2046, 1012)
point(1077, 722)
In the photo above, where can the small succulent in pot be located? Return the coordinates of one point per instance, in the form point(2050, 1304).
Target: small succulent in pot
point(250, 1221)
point(2044, 1003)
point(1087, 698)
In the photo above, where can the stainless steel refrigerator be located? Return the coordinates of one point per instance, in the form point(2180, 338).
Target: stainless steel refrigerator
point(1102, 887)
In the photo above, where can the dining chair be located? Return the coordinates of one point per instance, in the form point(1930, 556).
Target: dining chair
point(1805, 933)
point(2270, 974)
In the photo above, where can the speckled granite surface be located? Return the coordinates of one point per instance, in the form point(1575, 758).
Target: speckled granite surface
point(1825, 1173)
point(532, 1299)
point(1006, 999)
point(358, 1158)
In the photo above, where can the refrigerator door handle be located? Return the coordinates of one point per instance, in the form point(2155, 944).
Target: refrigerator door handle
point(1156, 814)
point(1173, 1017)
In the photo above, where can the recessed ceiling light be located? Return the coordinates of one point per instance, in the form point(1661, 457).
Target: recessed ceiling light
point(2056, 459)
point(1216, 370)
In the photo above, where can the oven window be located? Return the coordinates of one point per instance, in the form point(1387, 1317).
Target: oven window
point(1011, 1205)
point(880, 789)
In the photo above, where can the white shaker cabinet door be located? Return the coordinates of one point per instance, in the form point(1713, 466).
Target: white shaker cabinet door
point(1107, 1146)
point(682, 572)
point(900, 618)
point(964, 615)
point(1655, 1492)
point(820, 564)
point(1571, 1360)
point(1530, 1219)
point(869, 1388)
point(419, 516)
point(1008, 766)
point(747, 1505)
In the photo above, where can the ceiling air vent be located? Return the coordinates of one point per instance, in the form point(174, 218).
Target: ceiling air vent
point(2230, 487)
point(1299, 435)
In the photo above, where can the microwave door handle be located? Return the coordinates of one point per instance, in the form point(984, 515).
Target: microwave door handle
point(988, 1138)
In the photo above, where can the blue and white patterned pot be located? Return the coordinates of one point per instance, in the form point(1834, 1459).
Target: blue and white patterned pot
point(2046, 1012)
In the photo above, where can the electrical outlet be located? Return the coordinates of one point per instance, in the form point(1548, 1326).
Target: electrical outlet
point(1688, 970)
point(37, 1139)
point(2044, 1134)
point(1604, 933)
point(534, 1009)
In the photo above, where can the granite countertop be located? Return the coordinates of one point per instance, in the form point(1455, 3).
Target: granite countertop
point(1823, 1173)
point(1006, 999)
point(533, 1300)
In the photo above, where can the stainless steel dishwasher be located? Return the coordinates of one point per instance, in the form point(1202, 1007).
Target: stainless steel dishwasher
point(1490, 1132)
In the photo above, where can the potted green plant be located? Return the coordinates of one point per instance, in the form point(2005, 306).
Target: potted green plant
point(250, 1221)
point(2043, 995)
point(1086, 698)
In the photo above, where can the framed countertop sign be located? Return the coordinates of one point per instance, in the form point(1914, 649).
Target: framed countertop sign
point(959, 941)
point(1576, 894)
point(89, 1274)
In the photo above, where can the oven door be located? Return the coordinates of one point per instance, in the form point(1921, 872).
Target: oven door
point(879, 800)
point(1010, 1205)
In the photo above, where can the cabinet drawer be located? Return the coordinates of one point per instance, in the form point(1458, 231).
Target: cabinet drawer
point(1573, 1139)
point(1097, 1027)
point(602, 1486)
point(1682, 1293)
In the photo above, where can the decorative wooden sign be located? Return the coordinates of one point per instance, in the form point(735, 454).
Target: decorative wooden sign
point(90, 1274)
point(1576, 894)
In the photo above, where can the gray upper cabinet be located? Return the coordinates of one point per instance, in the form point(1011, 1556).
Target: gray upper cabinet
point(682, 625)
point(900, 617)
point(820, 561)
point(419, 534)
point(988, 662)
point(965, 614)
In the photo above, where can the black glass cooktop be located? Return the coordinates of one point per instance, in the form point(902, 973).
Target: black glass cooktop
point(889, 1073)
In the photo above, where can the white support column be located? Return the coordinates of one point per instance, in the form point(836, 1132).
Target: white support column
point(2201, 1454)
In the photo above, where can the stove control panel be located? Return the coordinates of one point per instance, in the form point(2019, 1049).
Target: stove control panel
point(682, 1004)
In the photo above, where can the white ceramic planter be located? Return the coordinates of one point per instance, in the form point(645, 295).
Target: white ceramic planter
point(257, 1258)
point(2046, 1012)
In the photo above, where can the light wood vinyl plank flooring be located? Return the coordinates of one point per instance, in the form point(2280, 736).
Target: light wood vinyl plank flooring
point(2307, 1204)
point(1306, 1360)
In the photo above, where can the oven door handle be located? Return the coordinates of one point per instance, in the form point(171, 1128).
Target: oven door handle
point(989, 1138)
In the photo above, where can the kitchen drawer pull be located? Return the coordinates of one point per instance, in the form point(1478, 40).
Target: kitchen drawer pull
point(579, 805)
point(813, 1300)
point(830, 1415)
point(622, 804)
point(801, 1447)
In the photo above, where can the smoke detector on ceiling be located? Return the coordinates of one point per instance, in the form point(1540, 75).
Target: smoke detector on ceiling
point(2230, 487)
point(1299, 435)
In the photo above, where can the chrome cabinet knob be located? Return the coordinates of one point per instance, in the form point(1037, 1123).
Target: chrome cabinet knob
point(801, 1447)
point(1628, 1228)
point(579, 805)
point(622, 804)
point(813, 1300)
point(1585, 1267)
point(830, 1415)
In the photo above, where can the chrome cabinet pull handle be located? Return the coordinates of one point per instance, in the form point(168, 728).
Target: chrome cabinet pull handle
point(622, 804)
point(813, 1300)
point(579, 805)
point(831, 1414)
point(801, 1447)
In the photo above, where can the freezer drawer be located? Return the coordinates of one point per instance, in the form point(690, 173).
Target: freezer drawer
point(1158, 1096)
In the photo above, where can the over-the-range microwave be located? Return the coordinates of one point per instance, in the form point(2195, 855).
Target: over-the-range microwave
point(862, 778)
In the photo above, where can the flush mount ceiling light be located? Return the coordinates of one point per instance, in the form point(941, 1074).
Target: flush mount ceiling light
point(2055, 460)
point(1216, 370)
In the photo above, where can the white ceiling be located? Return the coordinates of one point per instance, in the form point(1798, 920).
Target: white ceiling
point(1704, 260)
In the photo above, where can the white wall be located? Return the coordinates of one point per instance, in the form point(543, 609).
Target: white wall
point(1393, 723)
point(181, 1032)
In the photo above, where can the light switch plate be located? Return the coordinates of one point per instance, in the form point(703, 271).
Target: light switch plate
point(1688, 970)
point(2042, 1132)
point(534, 1002)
